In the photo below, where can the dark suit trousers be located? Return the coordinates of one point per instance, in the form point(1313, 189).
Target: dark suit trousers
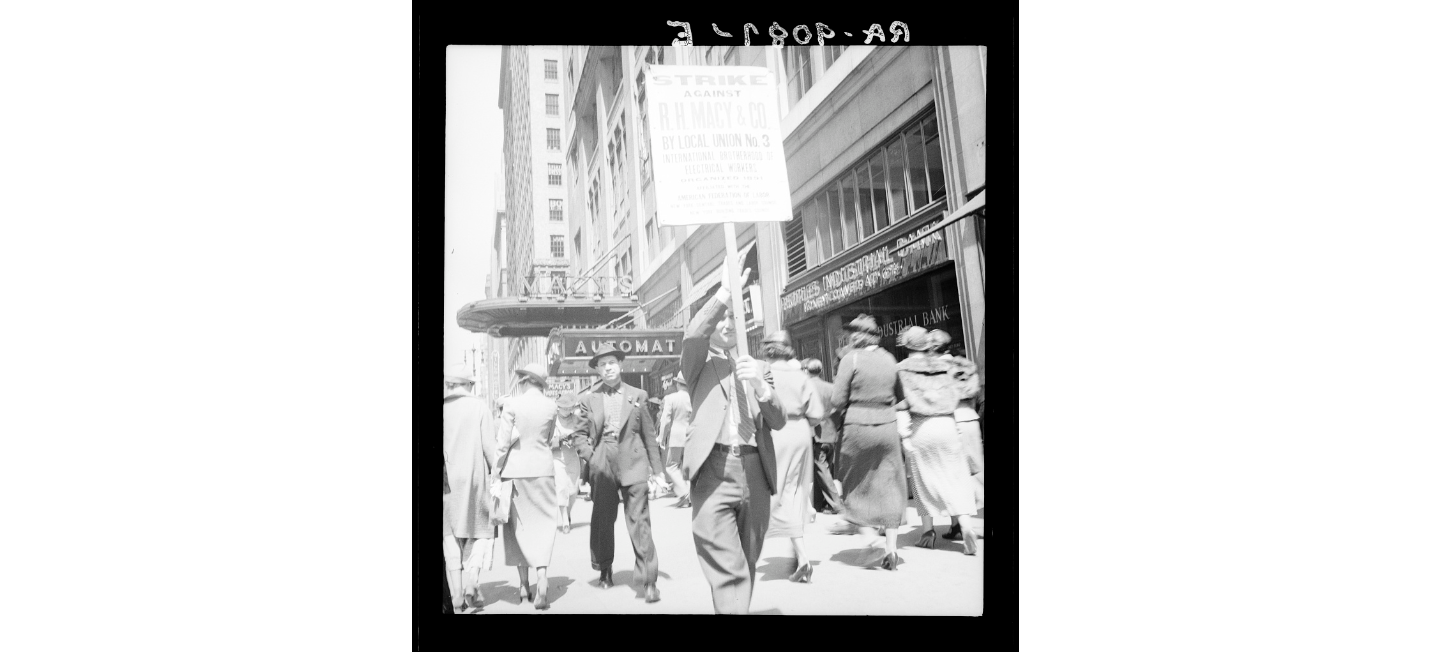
point(824, 494)
point(606, 496)
point(730, 514)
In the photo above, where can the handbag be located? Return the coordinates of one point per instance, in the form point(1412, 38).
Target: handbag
point(499, 501)
point(499, 497)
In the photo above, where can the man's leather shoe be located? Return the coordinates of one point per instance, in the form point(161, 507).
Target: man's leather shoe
point(606, 580)
point(652, 594)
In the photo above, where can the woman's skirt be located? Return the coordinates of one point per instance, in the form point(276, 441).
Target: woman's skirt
point(972, 436)
point(568, 475)
point(871, 469)
point(790, 508)
point(531, 531)
point(939, 464)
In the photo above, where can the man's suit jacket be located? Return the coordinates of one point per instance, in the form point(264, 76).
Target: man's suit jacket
point(636, 452)
point(829, 427)
point(528, 454)
point(710, 380)
point(675, 419)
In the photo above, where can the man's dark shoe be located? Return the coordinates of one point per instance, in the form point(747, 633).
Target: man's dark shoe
point(606, 580)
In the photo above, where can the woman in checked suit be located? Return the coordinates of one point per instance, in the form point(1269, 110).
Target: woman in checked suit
point(524, 438)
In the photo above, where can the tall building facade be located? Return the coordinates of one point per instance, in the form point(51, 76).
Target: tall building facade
point(885, 154)
point(532, 231)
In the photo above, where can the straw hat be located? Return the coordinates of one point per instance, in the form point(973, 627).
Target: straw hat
point(779, 337)
point(567, 401)
point(915, 338)
point(535, 371)
point(864, 324)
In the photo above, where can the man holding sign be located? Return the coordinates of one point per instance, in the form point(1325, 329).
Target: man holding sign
point(718, 157)
point(729, 456)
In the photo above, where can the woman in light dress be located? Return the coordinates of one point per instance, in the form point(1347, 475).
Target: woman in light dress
point(791, 507)
point(563, 454)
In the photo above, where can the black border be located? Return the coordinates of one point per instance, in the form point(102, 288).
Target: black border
point(437, 25)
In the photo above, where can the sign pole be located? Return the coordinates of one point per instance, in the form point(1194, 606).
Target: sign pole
point(732, 278)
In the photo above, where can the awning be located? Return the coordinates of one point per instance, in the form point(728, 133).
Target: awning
point(514, 317)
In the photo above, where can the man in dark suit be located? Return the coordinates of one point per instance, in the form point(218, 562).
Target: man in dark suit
point(729, 456)
point(618, 442)
point(826, 441)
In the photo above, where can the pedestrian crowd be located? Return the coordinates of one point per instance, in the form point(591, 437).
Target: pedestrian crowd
point(754, 447)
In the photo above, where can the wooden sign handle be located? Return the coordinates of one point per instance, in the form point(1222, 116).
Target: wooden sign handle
point(732, 279)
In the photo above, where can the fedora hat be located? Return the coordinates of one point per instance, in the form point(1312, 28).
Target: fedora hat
point(915, 338)
point(567, 401)
point(535, 371)
point(606, 349)
point(779, 337)
point(458, 378)
point(863, 324)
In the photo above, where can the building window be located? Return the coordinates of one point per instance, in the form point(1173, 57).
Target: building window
point(552, 108)
point(558, 246)
point(896, 179)
point(550, 70)
point(576, 246)
point(554, 206)
point(798, 72)
point(553, 174)
point(558, 281)
point(553, 139)
point(652, 244)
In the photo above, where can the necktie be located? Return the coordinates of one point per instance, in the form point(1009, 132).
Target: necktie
point(746, 423)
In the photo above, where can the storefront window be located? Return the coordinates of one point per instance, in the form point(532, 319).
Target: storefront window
point(849, 206)
point(918, 182)
point(834, 232)
point(898, 192)
point(935, 157)
point(895, 180)
point(879, 182)
point(866, 200)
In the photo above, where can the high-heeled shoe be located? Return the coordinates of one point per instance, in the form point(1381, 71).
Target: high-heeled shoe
point(523, 594)
point(928, 540)
point(541, 603)
point(970, 543)
point(891, 561)
point(954, 533)
point(803, 573)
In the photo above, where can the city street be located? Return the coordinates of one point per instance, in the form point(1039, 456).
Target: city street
point(928, 582)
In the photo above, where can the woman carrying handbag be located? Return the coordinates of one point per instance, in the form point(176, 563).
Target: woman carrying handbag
point(527, 471)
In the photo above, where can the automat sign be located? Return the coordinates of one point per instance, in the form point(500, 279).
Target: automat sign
point(716, 147)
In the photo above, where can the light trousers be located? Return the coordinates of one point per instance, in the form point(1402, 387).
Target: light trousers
point(730, 514)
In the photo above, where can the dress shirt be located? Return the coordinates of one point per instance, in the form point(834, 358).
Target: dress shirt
point(744, 423)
